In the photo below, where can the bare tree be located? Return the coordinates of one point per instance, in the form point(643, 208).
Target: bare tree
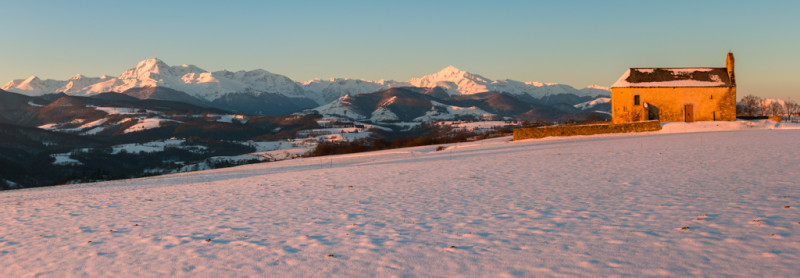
point(751, 104)
point(765, 107)
point(775, 108)
point(792, 108)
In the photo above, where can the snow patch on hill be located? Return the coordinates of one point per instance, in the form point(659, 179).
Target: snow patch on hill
point(592, 103)
point(146, 123)
point(442, 111)
point(340, 107)
point(64, 159)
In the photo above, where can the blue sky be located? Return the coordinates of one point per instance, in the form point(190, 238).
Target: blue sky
point(571, 42)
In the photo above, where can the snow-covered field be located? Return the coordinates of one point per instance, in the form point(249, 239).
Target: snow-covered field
point(725, 202)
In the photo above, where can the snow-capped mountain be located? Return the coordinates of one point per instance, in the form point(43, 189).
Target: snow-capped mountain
point(459, 82)
point(33, 86)
point(155, 73)
point(262, 92)
point(334, 88)
point(454, 81)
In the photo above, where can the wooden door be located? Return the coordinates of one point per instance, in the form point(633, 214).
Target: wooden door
point(689, 113)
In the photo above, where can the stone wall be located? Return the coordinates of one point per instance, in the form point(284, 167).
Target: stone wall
point(571, 130)
point(709, 103)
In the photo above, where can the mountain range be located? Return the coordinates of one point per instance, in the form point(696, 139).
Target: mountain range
point(168, 118)
point(260, 92)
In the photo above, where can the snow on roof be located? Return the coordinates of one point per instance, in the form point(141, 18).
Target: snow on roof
point(674, 77)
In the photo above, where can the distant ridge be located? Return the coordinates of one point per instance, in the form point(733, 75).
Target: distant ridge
point(209, 86)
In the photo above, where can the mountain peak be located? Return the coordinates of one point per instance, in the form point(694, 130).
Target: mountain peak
point(31, 78)
point(143, 69)
point(151, 64)
point(454, 80)
point(451, 70)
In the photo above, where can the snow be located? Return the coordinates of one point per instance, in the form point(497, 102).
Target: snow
point(270, 145)
point(338, 137)
point(33, 86)
point(63, 159)
point(48, 126)
point(715, 82)
point(31, 103)
point(598, 87)
point(10, 184)
point(212, 85)
point(475, 126)
point(93, 123)
point(682, 127)
point(116, 110)
point(150, 147)
point(592, 103)
point(680, 71)
point(325, 91)
point(605, 205)
point(675, 83)
point(454, 81)
point(145, 124)
point(154, 72)
point(384, 114)
point(94, 131)
point(340, 107)
point(451, 111)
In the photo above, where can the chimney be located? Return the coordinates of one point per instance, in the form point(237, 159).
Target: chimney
point(729, 65)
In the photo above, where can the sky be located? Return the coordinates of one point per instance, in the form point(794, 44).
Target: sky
point(578, 43)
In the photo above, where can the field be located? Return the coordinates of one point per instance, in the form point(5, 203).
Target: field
point(698, 199)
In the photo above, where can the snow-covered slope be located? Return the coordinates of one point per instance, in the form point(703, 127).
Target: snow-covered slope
point(397, 104)
point(593, 103)
point(672, 205)
point(341, 107)
point(442, 111)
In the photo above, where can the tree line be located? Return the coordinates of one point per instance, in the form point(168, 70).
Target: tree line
point(754, 106)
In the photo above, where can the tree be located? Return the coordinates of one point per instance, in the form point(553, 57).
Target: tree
point(775, 108)
point(792, 108)
point(751, 105)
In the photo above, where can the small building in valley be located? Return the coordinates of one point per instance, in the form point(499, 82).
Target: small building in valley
point(675, 94)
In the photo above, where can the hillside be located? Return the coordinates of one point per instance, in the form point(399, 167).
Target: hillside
point(613, 205)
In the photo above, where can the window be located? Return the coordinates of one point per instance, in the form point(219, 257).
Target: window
point(636, 100)
point(712, 96)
